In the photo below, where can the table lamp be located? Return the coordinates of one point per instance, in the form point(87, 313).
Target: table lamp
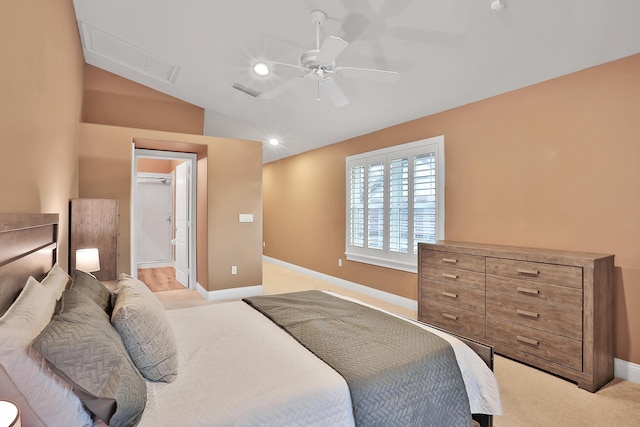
point(9, 414)
point(88, 260)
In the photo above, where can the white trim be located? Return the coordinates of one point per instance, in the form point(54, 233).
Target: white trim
point(231, 293)
point(622, 369)
point(155, 264)
point(382, 262)
point(626, 370)
point(407, 303)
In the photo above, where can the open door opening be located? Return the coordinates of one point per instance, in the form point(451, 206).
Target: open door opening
point(163, 212)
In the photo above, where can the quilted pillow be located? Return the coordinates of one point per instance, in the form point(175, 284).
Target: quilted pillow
point(43, 397)
point(142, 323)
point(81, 346)
point(56, 280)
point(93, 288)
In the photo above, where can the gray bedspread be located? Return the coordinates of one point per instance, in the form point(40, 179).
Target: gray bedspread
point(398, 374)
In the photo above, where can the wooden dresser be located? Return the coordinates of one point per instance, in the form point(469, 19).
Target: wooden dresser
point(550, 309)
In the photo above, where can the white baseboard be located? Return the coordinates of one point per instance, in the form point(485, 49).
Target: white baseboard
point(407, 303)
point(622, 369)
point(228, 294)
point(155, 264)
point(626, 370)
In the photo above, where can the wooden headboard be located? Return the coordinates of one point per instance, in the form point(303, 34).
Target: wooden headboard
point(28, 247)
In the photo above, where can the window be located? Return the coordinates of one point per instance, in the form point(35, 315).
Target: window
point(395, 199)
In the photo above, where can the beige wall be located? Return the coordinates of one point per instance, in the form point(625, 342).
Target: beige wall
point(157, 165)
point(554, 165)
point(233, 173)
point(228, 171)
point(113, 100)
point(40, 107)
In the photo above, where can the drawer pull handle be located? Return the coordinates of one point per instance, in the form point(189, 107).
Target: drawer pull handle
point(527, 340)
point(527, 313)
point(449, 294)
point(449, 316)
point(528, 272)
point(528, 291)
point(450, 260)
point(450, 276)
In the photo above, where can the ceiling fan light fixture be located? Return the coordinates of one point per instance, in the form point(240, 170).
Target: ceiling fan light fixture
point(319, 65)
point(261, 69)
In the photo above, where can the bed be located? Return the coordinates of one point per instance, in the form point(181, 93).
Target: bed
point(215, 365)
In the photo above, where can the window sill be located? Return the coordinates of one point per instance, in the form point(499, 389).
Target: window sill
point(410, 267)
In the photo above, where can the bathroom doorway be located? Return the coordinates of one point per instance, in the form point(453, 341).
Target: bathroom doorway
point(163, 214)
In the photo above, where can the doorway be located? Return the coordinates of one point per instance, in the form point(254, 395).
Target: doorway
point(163, 237)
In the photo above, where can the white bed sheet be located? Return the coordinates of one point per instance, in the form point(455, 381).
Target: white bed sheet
point(236, 368)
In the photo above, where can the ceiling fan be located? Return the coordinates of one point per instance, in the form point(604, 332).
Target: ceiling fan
point(319, 64)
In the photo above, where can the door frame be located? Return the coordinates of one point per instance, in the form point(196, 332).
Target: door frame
point(192, 247)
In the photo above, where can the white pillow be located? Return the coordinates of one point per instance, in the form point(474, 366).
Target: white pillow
point(56, 281)
point(25, 378)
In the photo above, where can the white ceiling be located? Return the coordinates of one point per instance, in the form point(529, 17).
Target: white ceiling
point(448, 53)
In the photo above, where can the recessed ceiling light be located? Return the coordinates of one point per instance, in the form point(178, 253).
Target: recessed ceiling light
point(274, 141)
point(261, 69)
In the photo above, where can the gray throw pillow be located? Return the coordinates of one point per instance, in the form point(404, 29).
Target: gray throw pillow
point(144, 328)
point(93, 288)
point(81, 346)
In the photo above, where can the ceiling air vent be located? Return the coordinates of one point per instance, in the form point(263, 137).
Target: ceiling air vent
point(98, 43)
point(246, 90)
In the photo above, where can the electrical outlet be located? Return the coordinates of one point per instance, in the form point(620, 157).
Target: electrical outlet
point(339, 262)
point(234, 269)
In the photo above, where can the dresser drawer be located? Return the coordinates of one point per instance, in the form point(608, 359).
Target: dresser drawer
point(563, 275)
point(562, 350)
point(558, 320)
point(454, 276)
point(454, 260)
point(533, 291)
point(452, 318)
point(457, 296)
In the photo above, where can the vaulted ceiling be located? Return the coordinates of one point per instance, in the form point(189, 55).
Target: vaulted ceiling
point(447, 53)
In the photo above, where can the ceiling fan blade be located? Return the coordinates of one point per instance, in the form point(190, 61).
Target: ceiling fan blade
point(331, 48)
point(333, 91)
point(284, 66)
point(353, 25)
point(381, 76)
point(287, 84)
point(394, 7)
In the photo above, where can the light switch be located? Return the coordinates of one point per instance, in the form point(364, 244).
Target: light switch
point(245, 218)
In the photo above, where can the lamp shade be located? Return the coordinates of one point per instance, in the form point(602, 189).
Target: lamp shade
point(88, 260)
point(9, 414)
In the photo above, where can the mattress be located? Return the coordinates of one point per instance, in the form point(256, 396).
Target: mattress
point(238, 368)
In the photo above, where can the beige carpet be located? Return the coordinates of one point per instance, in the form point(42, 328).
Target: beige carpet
point(534, 398)
point(530, 398)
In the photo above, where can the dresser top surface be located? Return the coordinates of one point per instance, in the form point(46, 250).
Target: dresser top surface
point(579, 259)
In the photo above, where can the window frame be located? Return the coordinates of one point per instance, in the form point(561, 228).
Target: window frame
point(386, 258)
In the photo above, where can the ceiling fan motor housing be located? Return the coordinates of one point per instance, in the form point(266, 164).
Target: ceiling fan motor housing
point(309, 61)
